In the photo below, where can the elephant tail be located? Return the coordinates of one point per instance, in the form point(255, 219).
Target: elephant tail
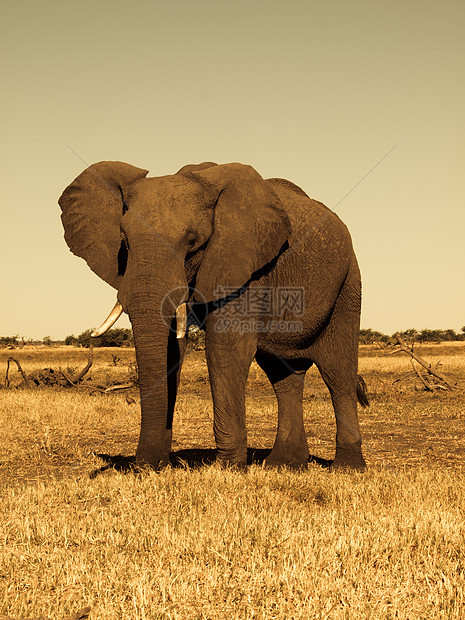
point(362, 392)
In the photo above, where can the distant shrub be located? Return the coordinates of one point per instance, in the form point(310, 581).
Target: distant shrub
point(438, 335)
point(8, 340)
point(196, 341)
point(113, 338)
point(368, 336)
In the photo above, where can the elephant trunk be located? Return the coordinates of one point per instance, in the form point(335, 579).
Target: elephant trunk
point(159, 356)
point(152, 352)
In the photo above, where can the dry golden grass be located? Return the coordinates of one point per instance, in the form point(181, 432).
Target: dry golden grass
point(217, 544)
point(212, 543)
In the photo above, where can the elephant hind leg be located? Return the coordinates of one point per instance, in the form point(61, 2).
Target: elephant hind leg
point(336, 355)
point(287, 378)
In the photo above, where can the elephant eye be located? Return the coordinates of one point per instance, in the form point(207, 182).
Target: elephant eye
point(191, 241)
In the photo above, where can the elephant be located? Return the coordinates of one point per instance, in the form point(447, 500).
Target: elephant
point(267, 272)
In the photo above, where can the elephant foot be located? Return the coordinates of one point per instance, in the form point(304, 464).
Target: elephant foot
point(232, 464)
point(292, 456)
point(155, 465)
point(350, 458)
point(153, 450)
point(147, 459)
point(236, 459)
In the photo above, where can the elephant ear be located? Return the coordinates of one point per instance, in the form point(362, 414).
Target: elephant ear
point(92, 208)
point(250, 227)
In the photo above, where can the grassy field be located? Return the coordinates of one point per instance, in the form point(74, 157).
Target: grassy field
point(204, 542)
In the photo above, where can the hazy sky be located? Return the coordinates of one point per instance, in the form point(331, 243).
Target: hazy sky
point(361, 103)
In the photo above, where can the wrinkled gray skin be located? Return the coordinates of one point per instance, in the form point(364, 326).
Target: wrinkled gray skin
point(196, 234)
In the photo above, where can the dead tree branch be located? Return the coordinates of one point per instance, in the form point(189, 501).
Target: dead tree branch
point(23, 374)
point(123, 386)
point(422, 379)
point(86, 369)
point(433, 375)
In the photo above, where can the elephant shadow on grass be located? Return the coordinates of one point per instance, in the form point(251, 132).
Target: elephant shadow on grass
point(193, 458)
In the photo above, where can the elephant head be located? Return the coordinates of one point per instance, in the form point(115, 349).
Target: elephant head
point(190, 235)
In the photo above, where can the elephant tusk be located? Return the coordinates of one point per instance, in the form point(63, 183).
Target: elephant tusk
point(111, 320)
point(181, 321)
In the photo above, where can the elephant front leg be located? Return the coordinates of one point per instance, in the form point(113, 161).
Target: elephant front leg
point(229, 356)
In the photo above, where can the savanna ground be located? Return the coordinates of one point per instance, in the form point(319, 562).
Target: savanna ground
point(207, 543)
